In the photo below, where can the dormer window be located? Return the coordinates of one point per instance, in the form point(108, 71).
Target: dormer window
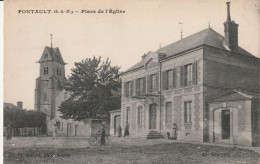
point(45, 56)
point(45, 71)
point(58, 56)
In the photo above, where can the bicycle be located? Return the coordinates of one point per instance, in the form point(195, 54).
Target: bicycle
point(96, 140)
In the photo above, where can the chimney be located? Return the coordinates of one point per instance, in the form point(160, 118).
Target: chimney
point(20, 105)
point(231, 31)
point(143, 57)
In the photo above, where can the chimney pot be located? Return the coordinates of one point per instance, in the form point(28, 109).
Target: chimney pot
point(231, 31)
point(228, 11)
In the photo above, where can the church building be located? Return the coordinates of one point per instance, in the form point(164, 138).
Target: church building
point(49, 95)
point(205, 83)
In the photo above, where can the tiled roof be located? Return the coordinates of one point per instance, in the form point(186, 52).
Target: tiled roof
point(205, 37)
point(233, 96)
point(53, 52)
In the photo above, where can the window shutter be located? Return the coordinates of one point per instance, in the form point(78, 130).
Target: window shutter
point(148, 83)
point(157, 82)
point(125, 89)
point(131, 88)
point(137, 88)
point(164, 80)
point(144, 85)
point(174, 78)
point(194, 73)
point(182, 76)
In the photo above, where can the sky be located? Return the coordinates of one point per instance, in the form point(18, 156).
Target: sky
point(122, 37)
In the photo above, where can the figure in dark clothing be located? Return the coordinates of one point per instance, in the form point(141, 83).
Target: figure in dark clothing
point(103, 136)
point(119, 130)
point(174, 133)
point(126, 130)
point(9, 132)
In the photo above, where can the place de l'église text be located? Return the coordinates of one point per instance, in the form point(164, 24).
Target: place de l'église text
point(83, 11)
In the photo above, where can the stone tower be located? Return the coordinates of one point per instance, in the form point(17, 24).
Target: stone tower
point(48, 84)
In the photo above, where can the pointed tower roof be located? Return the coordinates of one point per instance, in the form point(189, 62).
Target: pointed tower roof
point(51, 54)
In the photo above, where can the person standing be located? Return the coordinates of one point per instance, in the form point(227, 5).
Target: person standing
point(126, 130)
point(54, 132)
point(174, 133)
point(9, 132)
point(103, 135)
point(119, 130)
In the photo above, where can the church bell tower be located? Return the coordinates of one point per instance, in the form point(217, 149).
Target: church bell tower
point(48, 84)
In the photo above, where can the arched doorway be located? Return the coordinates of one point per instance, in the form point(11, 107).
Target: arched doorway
point(152, 116)
point(117, 122)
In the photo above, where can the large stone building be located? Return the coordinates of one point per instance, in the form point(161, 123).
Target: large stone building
point(49, 95)
point(205, 83)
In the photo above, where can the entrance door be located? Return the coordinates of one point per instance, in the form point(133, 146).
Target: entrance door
point(69, 129)
point(76, 130)
point(152, 114)
point(117, 121)
point(225, 124)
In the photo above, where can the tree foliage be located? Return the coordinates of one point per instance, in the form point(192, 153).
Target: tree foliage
point(17, 118)
point(94, 89)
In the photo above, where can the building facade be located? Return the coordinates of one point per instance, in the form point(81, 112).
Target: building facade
point(49, 95)
point(205, 83)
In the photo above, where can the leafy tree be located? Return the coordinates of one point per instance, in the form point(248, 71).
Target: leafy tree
point(18, 118)
point(94, 89)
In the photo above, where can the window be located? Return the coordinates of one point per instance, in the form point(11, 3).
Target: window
point(168, 113)
point(128, 115)
point(169, 79)
point(45, 56)
point(58, 125)
point(153, 83)
point(128, 89)
point(139, 115)
point(140, 86)
point(58, 56)
point(58, 71)
point(187, 112)
point(45, 70)
point(45, 97)
point(188, 75)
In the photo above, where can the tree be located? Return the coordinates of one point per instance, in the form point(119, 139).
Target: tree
point(19, 118)
point(94, 89)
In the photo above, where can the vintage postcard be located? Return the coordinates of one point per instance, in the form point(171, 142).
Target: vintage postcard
point(142, 81)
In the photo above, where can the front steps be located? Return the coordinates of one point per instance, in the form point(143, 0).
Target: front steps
point(153, 135)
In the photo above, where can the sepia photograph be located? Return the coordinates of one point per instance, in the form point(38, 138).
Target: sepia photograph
point(142, 81)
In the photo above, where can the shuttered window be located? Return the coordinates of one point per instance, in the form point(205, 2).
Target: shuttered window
point(188, 75)
point(153, 83)
point(127, 89)
point(140, 86)
point(169, 79)
point(174, 78)
point(168, 113)
point(187, 112)
point(164, 80)
point(139, 115)
point(131, 88)
point(128, 115)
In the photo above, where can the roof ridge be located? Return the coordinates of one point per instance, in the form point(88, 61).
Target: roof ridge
point(185, 38)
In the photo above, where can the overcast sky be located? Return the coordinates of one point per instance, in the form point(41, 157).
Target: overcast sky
point(124, 38)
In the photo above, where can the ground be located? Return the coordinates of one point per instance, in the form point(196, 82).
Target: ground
point(120, 150)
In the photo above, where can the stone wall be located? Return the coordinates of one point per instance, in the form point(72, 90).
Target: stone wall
point(241, 122)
